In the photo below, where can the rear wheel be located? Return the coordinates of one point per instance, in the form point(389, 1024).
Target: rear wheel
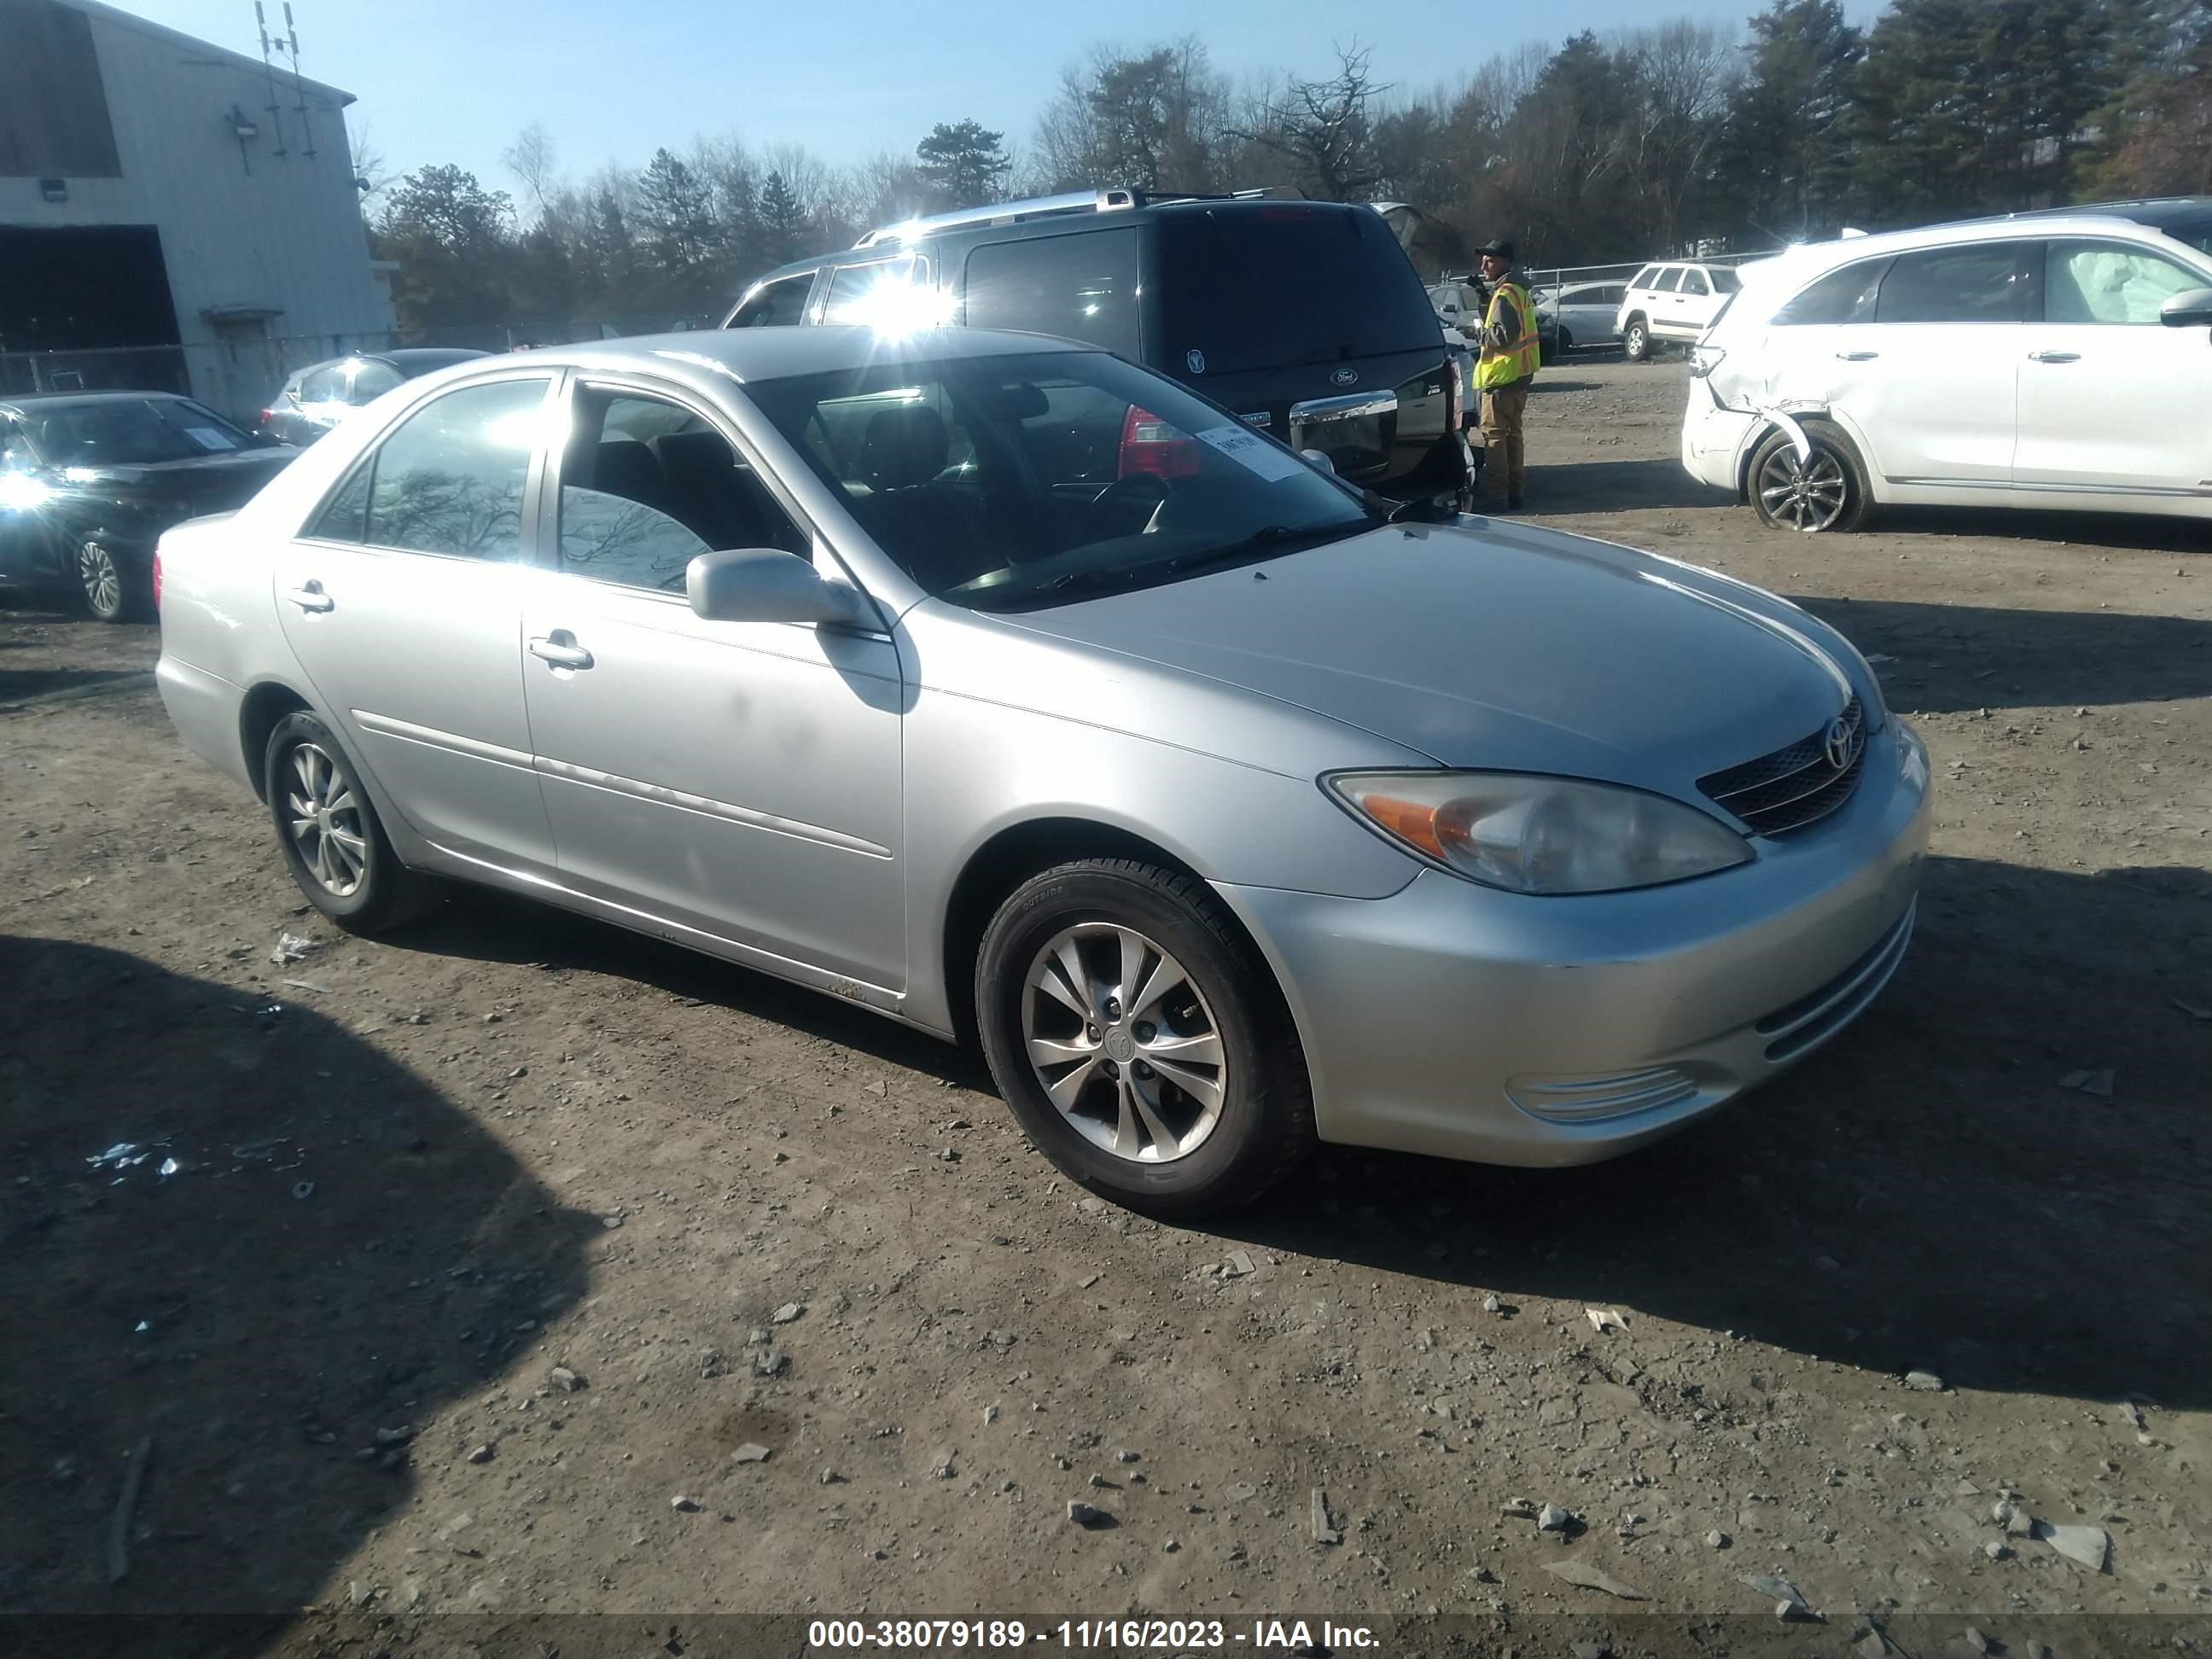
point(1826, 489)
point(333, 842)
point(1141, 1041)
point(1564, 343)
point(1636, 341)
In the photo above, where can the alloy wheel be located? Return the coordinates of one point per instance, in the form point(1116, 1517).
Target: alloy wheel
point(326, 821)
point(1805, 495)
point(1123, 1043)
point(102, 582)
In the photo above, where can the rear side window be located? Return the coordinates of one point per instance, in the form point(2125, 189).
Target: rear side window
point(1286, 283)
point(1843, 295)
point(2107, 282)
point(449, 477)
point(1669, 279)
point(324, 384)
point(1645, 277)
point(1079, 287)
point(1978, 282)
point(877, 291)
point(776, 305)
point(372, 380)
point(1607, 296)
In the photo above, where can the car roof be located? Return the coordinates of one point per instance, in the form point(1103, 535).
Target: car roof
point(773, 353)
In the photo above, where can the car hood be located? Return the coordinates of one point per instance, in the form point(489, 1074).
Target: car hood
point(202, 483)
point(1507, 647)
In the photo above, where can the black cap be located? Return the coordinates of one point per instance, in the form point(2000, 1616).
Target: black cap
point(1498, 248)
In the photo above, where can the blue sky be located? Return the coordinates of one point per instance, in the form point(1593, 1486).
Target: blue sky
point(612, 79)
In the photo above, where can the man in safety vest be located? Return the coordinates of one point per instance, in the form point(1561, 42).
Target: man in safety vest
point(1502, 370)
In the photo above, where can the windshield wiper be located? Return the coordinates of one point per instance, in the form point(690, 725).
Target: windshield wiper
point(1268, 538)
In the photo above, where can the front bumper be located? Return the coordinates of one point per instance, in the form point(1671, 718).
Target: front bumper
point(1462, 1022)
point(1714, 438)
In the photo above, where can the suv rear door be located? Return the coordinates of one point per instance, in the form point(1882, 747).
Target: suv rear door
point(1307, 318)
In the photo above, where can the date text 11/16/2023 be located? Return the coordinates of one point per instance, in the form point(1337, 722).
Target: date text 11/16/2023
point(1291, 1636)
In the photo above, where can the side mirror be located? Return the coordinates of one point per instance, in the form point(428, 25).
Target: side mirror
point(2190, 308)
point(1318, 461)
point(765, 583)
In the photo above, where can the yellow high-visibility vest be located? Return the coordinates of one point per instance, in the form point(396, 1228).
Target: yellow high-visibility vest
point(1502, 366)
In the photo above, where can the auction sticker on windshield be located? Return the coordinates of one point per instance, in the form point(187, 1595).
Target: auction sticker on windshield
point(1253, 451)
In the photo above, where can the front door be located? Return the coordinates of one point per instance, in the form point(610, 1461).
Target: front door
point(403, 601)
point(2110, 402)
point(737, 780)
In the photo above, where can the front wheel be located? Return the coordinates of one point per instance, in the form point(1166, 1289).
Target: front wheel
point(1636, 341)
point(333, 842)
point(1825, 490)
point(109, 595)
point(1139, 1040)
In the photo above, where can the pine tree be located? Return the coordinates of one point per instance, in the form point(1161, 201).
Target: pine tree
point(674, 215)
point(963, 166)
point(1784, 159)
point(782, 221)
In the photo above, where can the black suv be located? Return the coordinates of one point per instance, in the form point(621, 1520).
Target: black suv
point(1305, 318)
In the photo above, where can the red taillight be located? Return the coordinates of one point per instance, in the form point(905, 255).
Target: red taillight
point(1454, 395)
point(1150, 445)
point(157, 579)
point(264, 416)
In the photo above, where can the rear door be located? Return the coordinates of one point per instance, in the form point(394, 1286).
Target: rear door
point(402, 600)
point(2110, 401)
point(1307, 318)
point(1934, 381)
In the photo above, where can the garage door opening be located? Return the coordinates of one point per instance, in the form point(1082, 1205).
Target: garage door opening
point(87, 308)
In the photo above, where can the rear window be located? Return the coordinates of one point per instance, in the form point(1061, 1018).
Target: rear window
point(1284, 284)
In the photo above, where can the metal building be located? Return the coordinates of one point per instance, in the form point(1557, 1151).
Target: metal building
point(173, 214)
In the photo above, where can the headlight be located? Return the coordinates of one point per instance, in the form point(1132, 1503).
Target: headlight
point(1539, 835)
point(1911, 758)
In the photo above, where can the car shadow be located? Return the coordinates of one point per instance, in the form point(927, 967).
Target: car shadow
point(1949, 658)
point(479, 924)
point(251, 1255)
point(20, 685)
point(1617, 487)
point(1923, 1193)
point(2133, 532)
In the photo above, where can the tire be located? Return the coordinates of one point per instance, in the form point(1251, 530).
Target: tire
point(368, 889)
point(1061, 943)
point(1636, 341)
point(1564, 343)
point(107, 591)
point(1829, 492)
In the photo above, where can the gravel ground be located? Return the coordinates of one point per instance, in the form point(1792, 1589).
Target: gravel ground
point(488, 1245)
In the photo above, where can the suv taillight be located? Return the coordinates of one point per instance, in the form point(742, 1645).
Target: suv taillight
point(1150, 445)
point(157, 579)
point(1454, 395)
point(264, 416)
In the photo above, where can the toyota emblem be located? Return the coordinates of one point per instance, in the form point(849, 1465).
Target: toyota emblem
point(1842, 744)
point(1343, 377)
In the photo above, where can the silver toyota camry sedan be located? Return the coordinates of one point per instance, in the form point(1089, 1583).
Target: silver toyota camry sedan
point(1013, 691)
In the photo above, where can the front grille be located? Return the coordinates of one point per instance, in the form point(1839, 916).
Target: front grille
point(1794, 785)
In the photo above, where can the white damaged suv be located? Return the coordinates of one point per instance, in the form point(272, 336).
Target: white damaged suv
point(2043, 360)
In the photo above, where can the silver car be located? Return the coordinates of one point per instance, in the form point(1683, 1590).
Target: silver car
point(1016, 693)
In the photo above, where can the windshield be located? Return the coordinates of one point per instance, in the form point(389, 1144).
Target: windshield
point(1010, 483)
point(131, 432)
point(1287, 283)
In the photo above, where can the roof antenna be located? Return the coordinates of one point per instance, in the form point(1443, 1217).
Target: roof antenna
point(269, 74)
point(298, 86)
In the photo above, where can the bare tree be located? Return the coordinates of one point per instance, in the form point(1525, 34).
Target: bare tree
point(1325, 128)
point(372, 175)
point(530, 158)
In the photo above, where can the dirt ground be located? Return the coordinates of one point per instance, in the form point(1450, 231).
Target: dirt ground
point(415, 1178)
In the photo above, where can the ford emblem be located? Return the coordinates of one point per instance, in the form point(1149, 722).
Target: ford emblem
point(1196, 359)
point(1343, 377)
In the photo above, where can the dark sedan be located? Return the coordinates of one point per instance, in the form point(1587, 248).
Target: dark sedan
point(88, 481)
point(322, 394)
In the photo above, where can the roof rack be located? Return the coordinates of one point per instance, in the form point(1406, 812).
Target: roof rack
point(1105, 199)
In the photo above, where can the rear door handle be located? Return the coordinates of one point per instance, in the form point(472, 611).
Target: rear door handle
point(560, 648)
point(2054, 356)
point(310, 597)
point(1858, 356)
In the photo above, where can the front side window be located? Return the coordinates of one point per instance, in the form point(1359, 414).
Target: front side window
point(1693, 281)
point(1725, 280)
point(776, 305)
point(1079, 287)
point(448, 479)
point(2108, 282)
point(1843, 295)
point(1082, 473)
point(1975, 283)
point(648, 485)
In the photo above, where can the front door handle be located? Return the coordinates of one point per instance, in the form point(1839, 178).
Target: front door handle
point(2054, 356)
point(310, 597)
point(560, 648)
point(1858, 356)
